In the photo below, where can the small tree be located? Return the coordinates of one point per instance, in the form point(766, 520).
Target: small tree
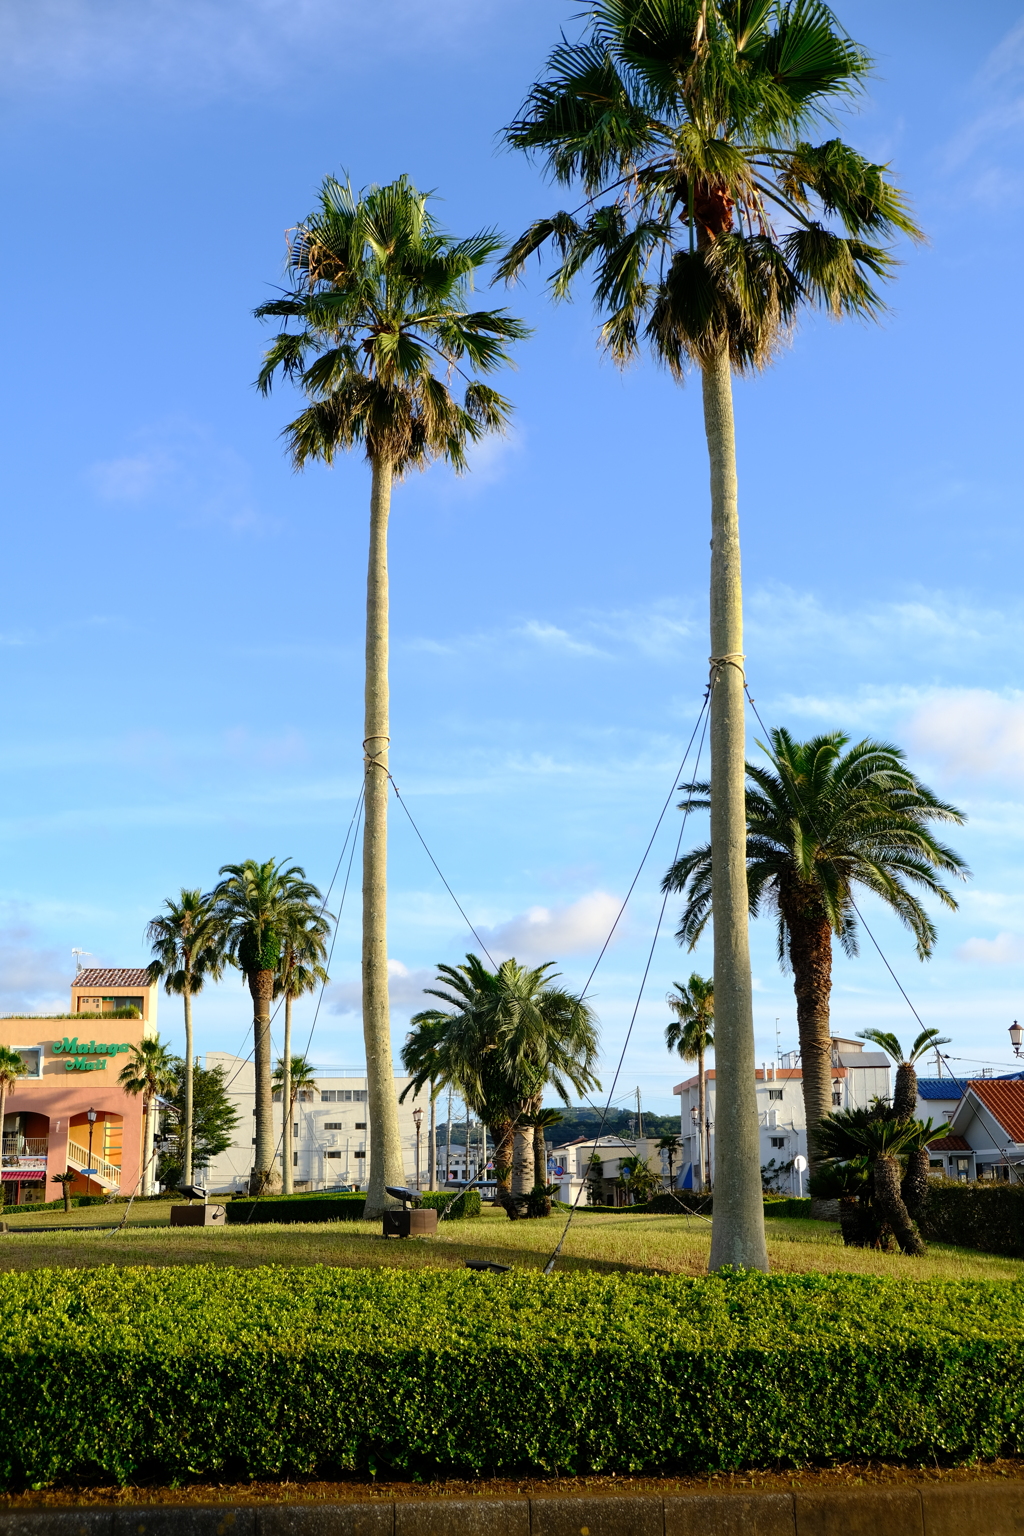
point(671, 1146)
point(639, 1177)
point(11, 1068)
point(290, 1079)
point(214, 1120)
point(65, 1180)
point(301, 970)
point(691, 1033)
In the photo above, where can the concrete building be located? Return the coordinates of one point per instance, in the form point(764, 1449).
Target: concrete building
point(858, 1076)
point(68, 1112)
point(330, 1131)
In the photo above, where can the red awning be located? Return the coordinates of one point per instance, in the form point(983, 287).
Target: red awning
point(23, 1175)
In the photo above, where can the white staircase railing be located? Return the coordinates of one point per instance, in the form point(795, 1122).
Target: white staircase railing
point(106, 1173)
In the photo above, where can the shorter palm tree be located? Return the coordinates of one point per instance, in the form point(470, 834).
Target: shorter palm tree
point(639, 1178)
point(671, 1146)
point(188, 951)
point(290, 1079)
point(691, 1033)
point(149, 1070)
point(11, 1068)
point(904, 1099)
point(881, 1138)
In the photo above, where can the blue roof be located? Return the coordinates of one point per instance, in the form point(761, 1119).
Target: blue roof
point(938, 1088)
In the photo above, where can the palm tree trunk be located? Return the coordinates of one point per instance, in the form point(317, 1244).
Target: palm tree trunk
point(386, 1165)
point(737, 1230)
point(904, 1099)
point(914, 1188)
point(265, 1178)
point(522, 1162)
point(890, 1202)
point(448, 1142)
point(186, 1160)
point(287, 1181)
point(432, 1140)
point(540, 1156)
point(702, 1117)
point(810, 954)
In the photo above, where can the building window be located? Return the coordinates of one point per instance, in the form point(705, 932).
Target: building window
point(332, 1154)
point(32, 1056)
point(935, 1162)
point(360, 1125)
point(775, 1093)
point(837, 1100)
point(343, 1096)
point(295, 1159)
point(358, 1154)
point(333, 1125)
point(777, 1141)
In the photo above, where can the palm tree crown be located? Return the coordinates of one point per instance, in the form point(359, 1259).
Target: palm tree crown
point(709, 217)
point(822, 820)
point(905, 1094)
point(381, 301)
point(691, 1032)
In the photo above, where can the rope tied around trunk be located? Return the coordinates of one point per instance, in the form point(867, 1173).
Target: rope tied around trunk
point(372, 759)
point(730, 659)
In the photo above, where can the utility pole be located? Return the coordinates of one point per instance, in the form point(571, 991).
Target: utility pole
point(639, 1115)
point(448, 1147)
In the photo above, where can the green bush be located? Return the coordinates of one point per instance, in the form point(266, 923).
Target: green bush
point(288, 1208)
point(466, 1204)
point(986, 1216)
point(130, 1373)
point(58, 1204)
point(793, 1206)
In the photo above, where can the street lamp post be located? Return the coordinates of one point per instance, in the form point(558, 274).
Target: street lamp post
point(417, 1116)
point(1016, 1037)
point(92, 1116)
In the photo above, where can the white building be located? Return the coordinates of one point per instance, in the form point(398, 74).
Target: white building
point(330, 1135)
point(858, 1076)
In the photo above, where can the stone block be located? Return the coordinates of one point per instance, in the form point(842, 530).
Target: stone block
point(462, 1517)
point(973, 1509)
point(602, 1515)
point(859, 1512)
point(367, 1517)
point(730, 1514)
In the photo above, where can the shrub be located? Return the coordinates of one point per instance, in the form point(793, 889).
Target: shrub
point(794, 1206)
point(466, 1204)
point(985, 1216)
point(294, 1208)
point(126, 1373)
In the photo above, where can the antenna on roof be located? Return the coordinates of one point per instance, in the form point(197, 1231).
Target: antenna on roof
point(78, 953)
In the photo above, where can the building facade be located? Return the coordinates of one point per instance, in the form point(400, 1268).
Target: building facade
point(858, 1076)
point(985, 1139)
point(68, 1112)
point(330, 1131)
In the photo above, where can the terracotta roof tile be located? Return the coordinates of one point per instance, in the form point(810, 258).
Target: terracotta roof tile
point(949, 1144)
point(1005, 1100)
point(119, 978)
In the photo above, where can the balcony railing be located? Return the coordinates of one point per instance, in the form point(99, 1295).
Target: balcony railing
point(25, 1146)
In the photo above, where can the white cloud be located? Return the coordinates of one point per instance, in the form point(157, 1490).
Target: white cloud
point(548, 933)
point(556, 639)
point(1004, 949)
point(405, 990)
point(178, 465)
point(31, 976)
point(972, 732)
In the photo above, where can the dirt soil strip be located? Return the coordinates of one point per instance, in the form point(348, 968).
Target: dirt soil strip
point(982, 1500)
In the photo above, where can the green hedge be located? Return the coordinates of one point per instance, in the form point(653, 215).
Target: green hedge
point(793, 1206)
point(688, 1200)
point(289, 1208)
point(58, 1204)
point(986, 1216)
point(324, 1207)
point(130, 1373)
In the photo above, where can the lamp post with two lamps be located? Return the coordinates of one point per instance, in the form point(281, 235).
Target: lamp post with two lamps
point(92, 1116)
point(417, 1116)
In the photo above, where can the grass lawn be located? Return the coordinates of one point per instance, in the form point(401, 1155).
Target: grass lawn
point(654, 1244)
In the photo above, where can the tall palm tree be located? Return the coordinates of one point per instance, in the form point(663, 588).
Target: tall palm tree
point(708, 221)
point(186, 943)
point(256, 907)
point(539, 1121)
point(691, 1033)
point(822, 820)
point(381, 300)
point(149, 1070)
point(11, 1068)
point(904, 1099)
point(300, 970)
point(292, 1075)
point(505, 1037)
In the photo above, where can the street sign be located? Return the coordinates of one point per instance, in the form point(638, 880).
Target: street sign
point(800, 1162)
point(88, 1170)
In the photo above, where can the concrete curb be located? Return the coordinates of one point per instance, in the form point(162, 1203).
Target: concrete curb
point(957, 1509)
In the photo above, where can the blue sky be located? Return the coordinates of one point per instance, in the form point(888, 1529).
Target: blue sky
point(182, 621)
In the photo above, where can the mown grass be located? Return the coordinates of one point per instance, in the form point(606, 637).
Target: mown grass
point(601, 1244)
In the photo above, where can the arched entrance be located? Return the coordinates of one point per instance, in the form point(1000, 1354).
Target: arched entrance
point(94, 1151)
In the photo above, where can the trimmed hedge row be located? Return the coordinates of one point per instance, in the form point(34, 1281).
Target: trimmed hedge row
point(124, 1373)
point(295, 1208)
point(985, 1216)
point(688, 1200)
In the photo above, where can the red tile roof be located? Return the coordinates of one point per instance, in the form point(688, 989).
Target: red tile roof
point(1003, 1099)
point(122, 978)
point(949, 1144)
